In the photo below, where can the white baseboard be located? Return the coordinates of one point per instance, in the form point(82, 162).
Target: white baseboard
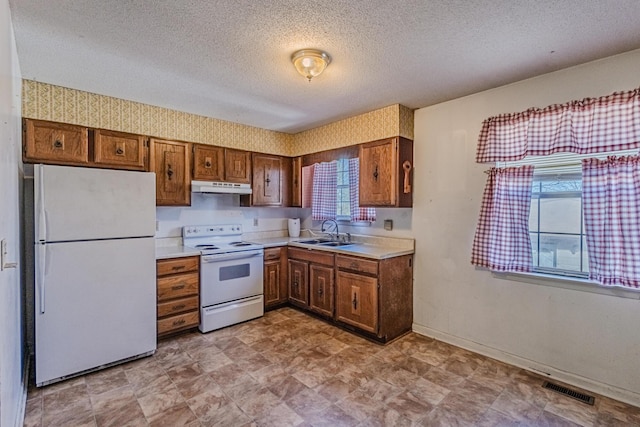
point(608, 390)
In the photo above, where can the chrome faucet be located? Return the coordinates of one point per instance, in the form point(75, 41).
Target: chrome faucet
point(328, 230)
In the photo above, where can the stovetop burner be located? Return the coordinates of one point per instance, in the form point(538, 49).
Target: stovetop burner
point(239, 244)
point(206, 247)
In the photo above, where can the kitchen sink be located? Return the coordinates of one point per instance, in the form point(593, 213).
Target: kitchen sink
point(335, 244)
point(315, 241)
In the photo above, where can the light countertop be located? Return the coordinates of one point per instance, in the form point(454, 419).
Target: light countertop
point(165, 252)
point(375, 248)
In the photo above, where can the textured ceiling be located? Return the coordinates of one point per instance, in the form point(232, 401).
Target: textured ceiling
point(231, 59)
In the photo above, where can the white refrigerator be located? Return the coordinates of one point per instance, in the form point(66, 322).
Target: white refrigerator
point(95, 282)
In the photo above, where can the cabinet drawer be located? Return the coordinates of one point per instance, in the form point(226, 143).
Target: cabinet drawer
point(177, 265)
point(357, 264)
point(317, 257)
point(119, 150)
point(272, 253)
point(180, 285)
point(177, 306)
point(56, 143)
point(176, 323)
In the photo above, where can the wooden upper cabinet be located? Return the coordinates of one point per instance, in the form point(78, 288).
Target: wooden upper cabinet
point(237, 166)
point(55, 143)
point(296, 182)
point(208, 163)
point(386, 172)
point(170, 162)
point(119, 150)
point(270, 181)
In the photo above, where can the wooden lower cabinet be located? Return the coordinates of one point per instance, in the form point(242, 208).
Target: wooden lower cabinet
point(298, 283)
point(375, 296)
point(357, 297)
point(275, 277)
point(371, 297)
point(178, 282)
point(321, 288)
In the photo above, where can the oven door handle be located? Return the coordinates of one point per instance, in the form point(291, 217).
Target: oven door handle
point(232, 256)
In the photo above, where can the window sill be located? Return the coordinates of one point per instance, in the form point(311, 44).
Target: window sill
point(572, 283)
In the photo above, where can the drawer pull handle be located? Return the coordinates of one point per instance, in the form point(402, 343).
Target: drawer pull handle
point(207, 162)
point(354, 265)
point(58, 144)
point(178, 307)
point(178, 322)
point(375, 174)
point(169, 172)
point(177, 267)
point(177, 287)
point(355, 301)
point(320, 291)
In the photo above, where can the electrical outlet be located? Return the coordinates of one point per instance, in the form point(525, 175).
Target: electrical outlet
point(388, 224)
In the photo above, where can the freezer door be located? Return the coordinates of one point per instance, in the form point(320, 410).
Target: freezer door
point(95, 304)
point(73, 203)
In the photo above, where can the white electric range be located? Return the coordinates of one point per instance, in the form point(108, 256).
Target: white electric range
point(231, 274)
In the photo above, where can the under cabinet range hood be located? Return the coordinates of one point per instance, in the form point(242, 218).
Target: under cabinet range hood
point(220, 187)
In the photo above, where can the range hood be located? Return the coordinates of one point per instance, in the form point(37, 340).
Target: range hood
point(220, 187)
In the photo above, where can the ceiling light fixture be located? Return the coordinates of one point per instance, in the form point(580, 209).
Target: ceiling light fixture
point(310, 62)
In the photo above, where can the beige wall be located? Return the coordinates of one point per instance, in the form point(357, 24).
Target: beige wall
point(579, 333)
point(48, 102)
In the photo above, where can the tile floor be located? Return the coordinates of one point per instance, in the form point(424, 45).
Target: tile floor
point(288, 368)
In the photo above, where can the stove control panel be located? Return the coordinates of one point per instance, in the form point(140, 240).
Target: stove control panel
point(211, 230)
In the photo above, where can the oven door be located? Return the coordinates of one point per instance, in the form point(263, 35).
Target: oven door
point(231, 276)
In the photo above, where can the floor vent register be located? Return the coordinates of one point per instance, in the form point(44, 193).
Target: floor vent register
point(584, 398)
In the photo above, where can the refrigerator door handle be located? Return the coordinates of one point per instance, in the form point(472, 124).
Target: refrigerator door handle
point(40, 272)
point(41, 235)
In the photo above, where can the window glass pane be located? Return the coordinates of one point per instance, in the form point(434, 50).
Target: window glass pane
point(534, 248)
point(561, 186)
point(533, 215)
point(561, 215)
point(560, 251)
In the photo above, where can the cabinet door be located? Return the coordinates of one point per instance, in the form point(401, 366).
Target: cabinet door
point(237, 166)
point(55, 143)
point(208, 163)
point(321, 289)
point(357, 301)
point(296, 182)
point(119, 150)
point(272, 282)
point(267, 189)
point(170, 162)
point(298, 285)
point(377, 173)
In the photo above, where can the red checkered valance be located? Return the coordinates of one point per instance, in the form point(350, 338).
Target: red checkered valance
point(592, 125)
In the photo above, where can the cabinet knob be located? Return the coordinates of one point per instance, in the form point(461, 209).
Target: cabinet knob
point(375, 174)
point(119, 151)
point(169, 172)
point(355, 301)
point(267, 180)
point(58, 144)
point(320, 291)
point(207, 162)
